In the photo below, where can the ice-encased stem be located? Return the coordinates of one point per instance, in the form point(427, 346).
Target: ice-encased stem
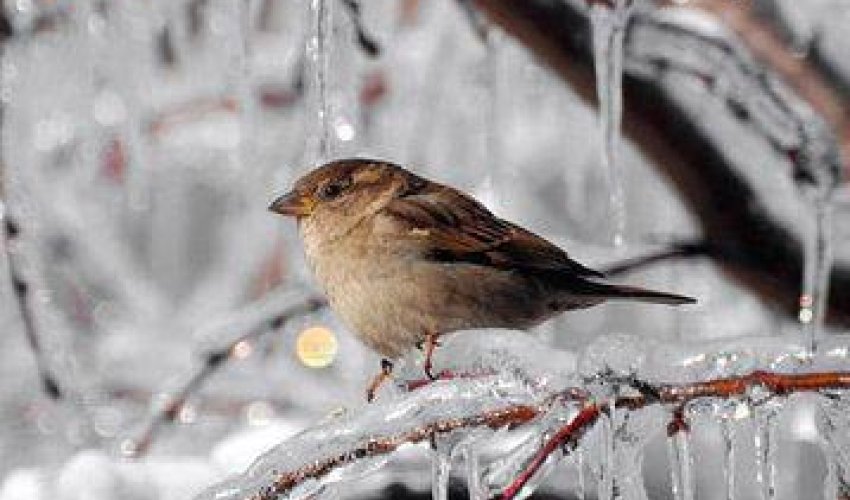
point(765, 449)
point(681, 465)
point(318, 55)
point(441, 468)
point(816, 270)
point(729, 457)
point(608, 27)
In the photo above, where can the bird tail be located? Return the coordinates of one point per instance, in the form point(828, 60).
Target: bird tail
point(615, 292)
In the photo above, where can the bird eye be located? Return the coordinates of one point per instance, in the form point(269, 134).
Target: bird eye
point(333, 189)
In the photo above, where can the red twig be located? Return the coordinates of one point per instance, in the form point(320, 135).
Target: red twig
point(570, 433)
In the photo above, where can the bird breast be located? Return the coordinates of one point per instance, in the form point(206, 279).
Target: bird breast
point(392, 297)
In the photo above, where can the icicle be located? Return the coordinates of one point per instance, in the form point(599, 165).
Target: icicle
point(581, 488)
point(609, 24)
point(816, 271)
point(605, 478)
point(318, 54)
point(765, 449)
point(681, 465)
point(729, 457)
point(473, 473)
point(441, 468)
point(833, 422)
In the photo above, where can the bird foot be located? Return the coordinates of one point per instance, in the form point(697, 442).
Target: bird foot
point(379, 379)
point(430, 344)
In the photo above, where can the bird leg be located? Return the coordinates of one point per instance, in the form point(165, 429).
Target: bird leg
point(379, 379)
point(430, 344)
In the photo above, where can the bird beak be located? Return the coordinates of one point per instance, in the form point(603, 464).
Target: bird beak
point(293, 204)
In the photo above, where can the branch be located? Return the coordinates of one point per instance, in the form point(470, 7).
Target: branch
point(679, 250)
point(567, 437)
point(509, 416)
point(212, 362)
point(23, 298)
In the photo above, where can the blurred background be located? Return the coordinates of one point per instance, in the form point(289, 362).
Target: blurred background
point(142, 142)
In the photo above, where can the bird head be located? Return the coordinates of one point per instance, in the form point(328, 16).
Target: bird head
point(339, 194)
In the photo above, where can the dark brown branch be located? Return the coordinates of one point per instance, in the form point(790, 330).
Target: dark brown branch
point(365, 41)
point(211, 363)
point(23, 298)
point(681, 250)
point(759, 251)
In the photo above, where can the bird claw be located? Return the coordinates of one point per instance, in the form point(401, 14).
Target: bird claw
point(430, 343)
point(379, 379)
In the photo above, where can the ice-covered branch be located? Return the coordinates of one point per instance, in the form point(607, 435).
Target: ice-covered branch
point(255, 321)
point(522, 399)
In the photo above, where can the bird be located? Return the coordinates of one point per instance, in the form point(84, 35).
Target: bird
point(404, 260)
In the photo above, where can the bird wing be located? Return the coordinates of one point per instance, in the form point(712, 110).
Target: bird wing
point(460, 229)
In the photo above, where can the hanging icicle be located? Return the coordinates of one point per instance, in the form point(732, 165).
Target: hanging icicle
point(581, 487)
point(473, 473)
point(441, 468)
point(681, 460)
point(764, 421)
point(728, 430)
point(608, 20)
point(605, 474)
point(318, 56)
point(817, 265)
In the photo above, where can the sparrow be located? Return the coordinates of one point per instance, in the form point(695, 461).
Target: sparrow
point(403, 260)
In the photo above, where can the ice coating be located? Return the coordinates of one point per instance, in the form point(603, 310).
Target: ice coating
point(451, 401)
point(447, 415)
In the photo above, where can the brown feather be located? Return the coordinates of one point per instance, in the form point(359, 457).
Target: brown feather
point(463, 230)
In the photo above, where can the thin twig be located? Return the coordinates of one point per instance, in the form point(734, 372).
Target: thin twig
point(212, 361)
point(23, 298)
point(366, 41)
point(679, 250)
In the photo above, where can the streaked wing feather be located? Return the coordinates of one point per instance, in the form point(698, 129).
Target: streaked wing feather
point(461, 229)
